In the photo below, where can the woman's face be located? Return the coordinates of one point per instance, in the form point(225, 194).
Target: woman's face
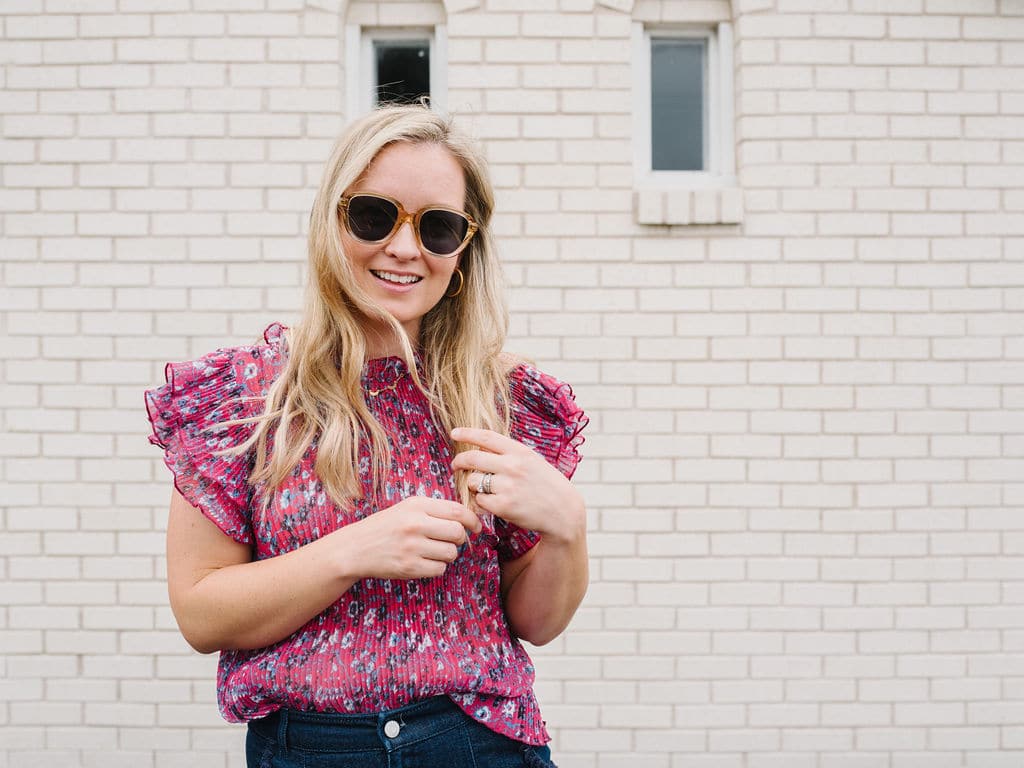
point(407, 282)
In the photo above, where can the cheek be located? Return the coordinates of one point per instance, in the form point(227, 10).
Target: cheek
point(441, 272)
point(358, 254)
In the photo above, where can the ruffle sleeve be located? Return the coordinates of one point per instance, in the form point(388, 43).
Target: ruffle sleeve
point(546, 418)
point(186, 415)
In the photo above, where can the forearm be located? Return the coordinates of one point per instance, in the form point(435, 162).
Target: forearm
point(544, 596)
point(223, 600)
point(255, 604)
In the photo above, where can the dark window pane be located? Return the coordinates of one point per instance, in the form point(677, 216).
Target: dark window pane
point(403, 70)
point(677, 104)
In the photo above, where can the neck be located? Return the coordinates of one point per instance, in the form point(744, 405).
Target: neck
point(382, 342)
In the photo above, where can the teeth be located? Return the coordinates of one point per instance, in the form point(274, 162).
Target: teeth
point(393, 278)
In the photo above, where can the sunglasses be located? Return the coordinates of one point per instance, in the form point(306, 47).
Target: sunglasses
point(439, 231)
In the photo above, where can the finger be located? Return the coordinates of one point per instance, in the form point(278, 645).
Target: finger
point(480, 461)
point(446, 530)
point(473, 480)
point(426, 568)
point(490, 503)
point(443, 551)
point(486, 439)
point(453, 510)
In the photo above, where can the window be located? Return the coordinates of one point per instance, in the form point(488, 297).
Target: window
point(679, 120)
point(683, 112)
point(400, 70)
point(395, 65)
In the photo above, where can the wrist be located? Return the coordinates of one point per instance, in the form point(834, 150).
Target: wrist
point(341, 555)
point(572, 528)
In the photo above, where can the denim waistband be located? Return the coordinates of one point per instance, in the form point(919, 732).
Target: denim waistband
point(388, 730)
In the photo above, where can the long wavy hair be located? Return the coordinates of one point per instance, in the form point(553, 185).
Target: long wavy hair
point(318, 395)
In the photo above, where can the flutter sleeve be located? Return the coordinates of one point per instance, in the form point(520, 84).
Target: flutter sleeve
point(546, 418)
point(186, 415)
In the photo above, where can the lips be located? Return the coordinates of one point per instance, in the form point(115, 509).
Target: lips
point(395, 278)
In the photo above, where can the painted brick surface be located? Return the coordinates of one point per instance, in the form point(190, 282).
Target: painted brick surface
point(804, 465)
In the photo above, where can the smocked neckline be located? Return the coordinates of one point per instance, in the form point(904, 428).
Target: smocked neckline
point(388, 368)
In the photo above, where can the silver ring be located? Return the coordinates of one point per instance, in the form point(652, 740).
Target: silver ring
point(484, 485)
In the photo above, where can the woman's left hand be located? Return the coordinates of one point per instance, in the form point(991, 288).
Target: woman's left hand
point(525, 489)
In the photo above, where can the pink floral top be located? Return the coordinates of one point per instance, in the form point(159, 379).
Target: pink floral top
point(385, 642)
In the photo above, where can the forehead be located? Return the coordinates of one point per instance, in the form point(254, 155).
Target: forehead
point(416, 175)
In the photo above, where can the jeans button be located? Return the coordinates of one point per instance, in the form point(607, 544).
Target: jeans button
point(391, 728)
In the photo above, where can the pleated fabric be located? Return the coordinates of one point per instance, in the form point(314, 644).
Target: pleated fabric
point(385, 642)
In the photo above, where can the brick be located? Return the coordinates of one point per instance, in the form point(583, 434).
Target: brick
point(50, 713)
point(726, 740)
point(502, 51)
point(814, 52)
point(995, 713)
point(955, 738)
point(890, 53)
point(119, 25)
point(709, 716)
point(805, 739)
point(927, 27)
point(39, 224)
point(561, 26)
point(960, 102)
point(850, 26)
point(603, 739)
point(634, 715)
point(961, 54)
point(75, 200)
point(774, 26)
point(983, 7)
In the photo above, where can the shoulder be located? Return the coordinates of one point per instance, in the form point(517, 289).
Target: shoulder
point(257, 366)
point(545, 414)
point(218, 385)
point(202, 412)
point(247, 368)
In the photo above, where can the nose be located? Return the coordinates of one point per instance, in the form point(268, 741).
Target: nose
point(403, 243)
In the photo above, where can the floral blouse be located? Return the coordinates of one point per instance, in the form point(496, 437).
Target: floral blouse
point(385, 642)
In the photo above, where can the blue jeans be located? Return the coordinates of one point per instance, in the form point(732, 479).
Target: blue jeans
point(433, 733)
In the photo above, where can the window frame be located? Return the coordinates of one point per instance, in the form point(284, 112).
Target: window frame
point(360, 70)
point(718, 120)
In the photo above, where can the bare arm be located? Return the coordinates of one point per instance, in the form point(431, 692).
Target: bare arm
point(543, 588)
point(223, 599)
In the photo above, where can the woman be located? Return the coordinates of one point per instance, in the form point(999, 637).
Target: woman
point(372, 508)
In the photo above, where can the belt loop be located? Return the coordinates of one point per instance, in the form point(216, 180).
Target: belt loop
point(282, 730)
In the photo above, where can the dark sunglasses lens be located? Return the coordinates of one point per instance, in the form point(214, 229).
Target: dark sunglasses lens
point(442, 232)
point(371, 218)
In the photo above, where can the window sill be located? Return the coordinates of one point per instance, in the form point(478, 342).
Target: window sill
point(706, 205)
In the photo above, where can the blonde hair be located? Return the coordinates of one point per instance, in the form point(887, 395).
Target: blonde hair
point(318, 395)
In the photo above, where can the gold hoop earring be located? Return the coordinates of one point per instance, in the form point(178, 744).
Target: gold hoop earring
point(462, 283)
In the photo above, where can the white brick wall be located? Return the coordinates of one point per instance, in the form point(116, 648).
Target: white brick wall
point(805, 457)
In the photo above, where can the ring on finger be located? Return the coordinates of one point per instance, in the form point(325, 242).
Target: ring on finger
point(484, 486)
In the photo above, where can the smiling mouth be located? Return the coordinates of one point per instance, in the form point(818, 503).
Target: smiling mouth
point(391, 277)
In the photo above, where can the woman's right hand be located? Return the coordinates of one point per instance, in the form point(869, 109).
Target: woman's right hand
point(417, 538)
point(223, 599)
